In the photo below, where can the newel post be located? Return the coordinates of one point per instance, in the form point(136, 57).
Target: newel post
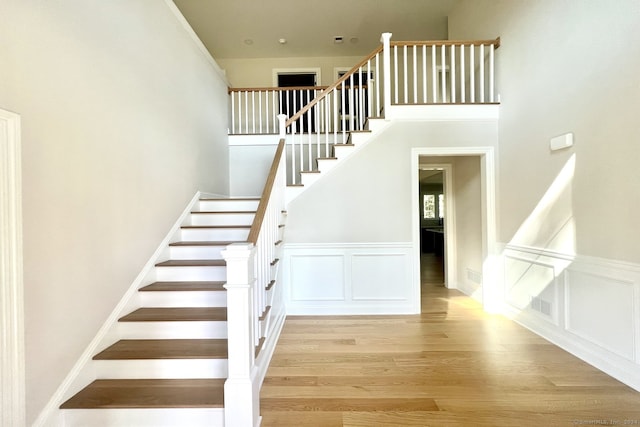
point(241, 398)
point(282, 120)
point(386, 69)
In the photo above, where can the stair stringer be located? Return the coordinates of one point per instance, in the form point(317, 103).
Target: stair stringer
point(84, 370)
point(358, 139)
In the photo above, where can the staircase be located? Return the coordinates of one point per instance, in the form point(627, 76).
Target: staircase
point(356, 139)
point(169, 364)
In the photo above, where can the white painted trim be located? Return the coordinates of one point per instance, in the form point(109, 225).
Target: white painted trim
point(601, 356)
point(80, 375)
point(309, 70)
point(346, 256)
point(196, 40)
point(12, 350)
point(443, 112)
point(491, 298)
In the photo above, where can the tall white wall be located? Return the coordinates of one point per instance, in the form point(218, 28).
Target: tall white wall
point(568, 218)
point(123, 120)
point(566, 66)
point(350, 237)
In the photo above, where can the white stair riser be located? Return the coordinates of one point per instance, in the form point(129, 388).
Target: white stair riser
point(215, 234)
point(309, 178)
point(185, 274)
point(161, 369)
point(375, 124)
point(222, 218)
point(326, 165)
point(172, 330)
point(184, 299)
point(196, 252)
point(227, 205)
point(179, 417)
point(341, 151)
point(358, 138)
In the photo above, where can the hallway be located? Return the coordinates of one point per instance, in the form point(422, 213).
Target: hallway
point(452, 365)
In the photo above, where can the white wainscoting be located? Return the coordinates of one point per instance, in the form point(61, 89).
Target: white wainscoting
point(588, 306)
point(350, 278)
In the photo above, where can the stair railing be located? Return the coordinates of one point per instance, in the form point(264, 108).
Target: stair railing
point(443, 72)
point(254, 110)
point(249, 275)
point(395, 73)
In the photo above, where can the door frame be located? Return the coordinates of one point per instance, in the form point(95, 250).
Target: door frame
point(491, 288)
point(310, 70)
point(12, 360)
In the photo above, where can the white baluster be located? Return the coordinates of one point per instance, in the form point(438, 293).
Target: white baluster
point(253, 111)
point(424, 74)
point(472, 71)
point(481, 82)
point(352, 105)
point(335, 122)
point(377, 78)
point(443, 73)
point(260, 112)
point(370, 83)
point(386, 65)
point(405, 71)
point(344, 117)
point(360, 100)
point(395, 73)
point(453, 73)
point(491, 73)
point(233, 113)
point(415, 75)
point(462, 75)
point(434, 74)
point(246, 111)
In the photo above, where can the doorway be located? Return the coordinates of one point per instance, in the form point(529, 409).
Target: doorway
point(469, 200)
point(297, 94)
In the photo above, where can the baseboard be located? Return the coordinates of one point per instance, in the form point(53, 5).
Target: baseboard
point(80, 375)
point(588, 306)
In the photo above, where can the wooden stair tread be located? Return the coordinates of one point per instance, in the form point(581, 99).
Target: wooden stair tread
point(176, 314)
point(183, 286)
point(149, 393)
point(314, 171)
point(193, 263)
point(216, 226)
point(205, 243)
point(229, 199)
point(221, 212)
point(165, 349)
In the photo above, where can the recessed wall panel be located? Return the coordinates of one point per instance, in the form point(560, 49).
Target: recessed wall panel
point(317, 277)
point(379, 277)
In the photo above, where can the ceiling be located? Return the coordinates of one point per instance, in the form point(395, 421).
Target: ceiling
point(253, 28)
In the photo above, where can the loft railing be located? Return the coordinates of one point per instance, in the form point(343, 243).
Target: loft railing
point(251, 274)
point(395, 73)
point(443, 72)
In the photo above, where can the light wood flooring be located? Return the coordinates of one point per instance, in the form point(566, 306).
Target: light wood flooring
point(452, 365)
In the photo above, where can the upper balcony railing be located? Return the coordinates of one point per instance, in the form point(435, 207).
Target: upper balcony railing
point(395, 73)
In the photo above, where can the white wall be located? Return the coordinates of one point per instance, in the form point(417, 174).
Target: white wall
point(360, 213)
point(568, 66)
point(123, 120)
point(568, 218)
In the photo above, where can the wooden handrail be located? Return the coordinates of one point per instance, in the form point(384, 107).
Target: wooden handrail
point(333, 86)
point(266, 194)
point(275, 89)
point(495, 42)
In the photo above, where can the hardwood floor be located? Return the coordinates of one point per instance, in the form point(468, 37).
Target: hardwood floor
point(452, 365)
